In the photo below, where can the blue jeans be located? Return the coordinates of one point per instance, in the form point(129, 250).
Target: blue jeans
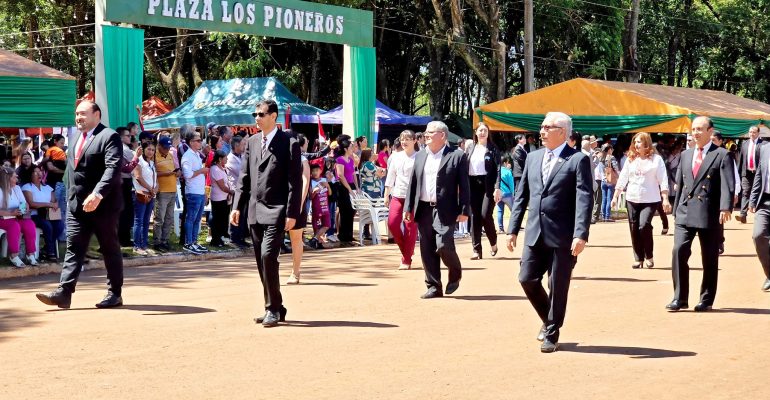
point(607, 192)
point(192, 224)
point(142, 213)
point(51, 231)
point(61, 196)
point(507, 200)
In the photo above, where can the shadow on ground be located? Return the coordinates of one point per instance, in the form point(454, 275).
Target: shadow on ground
point(599, 278)
point(12, 321)
point(632, 352)
point(337, 324)
point(489, 298)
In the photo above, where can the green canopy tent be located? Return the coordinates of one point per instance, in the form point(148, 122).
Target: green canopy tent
point(231, 102)
point(34, 95)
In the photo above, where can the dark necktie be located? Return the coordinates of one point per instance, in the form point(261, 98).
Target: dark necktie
point(264, 146)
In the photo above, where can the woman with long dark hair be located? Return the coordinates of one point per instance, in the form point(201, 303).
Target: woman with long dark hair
point(396, 188)
point(145, 189)
point(220, 192)
point(645, 182)
point(42, 202)
point(609, 180)
point(296, 233)
point(484, 175)
point(346, 186)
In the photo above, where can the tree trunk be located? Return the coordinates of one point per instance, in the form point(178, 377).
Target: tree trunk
point(315, 73)
point(673, 49)
point(630, 56)
point(528, 73)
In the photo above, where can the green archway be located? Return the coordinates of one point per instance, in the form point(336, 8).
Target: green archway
point(120, 55)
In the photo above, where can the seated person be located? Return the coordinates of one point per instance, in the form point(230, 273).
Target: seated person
point(44, 210)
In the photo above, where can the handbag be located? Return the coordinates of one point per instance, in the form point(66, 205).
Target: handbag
point(52, 215)
point(610, 175)
point(143, 198)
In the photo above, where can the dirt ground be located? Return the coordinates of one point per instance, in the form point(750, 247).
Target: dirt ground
point(357, 329)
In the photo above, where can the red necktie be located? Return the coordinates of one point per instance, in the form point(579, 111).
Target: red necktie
point(81, 144)
point(751, 155)
point(698, 162)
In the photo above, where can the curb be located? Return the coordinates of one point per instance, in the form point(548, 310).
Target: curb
point(51, 268)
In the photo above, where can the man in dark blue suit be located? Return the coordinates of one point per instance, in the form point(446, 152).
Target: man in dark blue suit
point(557, 186)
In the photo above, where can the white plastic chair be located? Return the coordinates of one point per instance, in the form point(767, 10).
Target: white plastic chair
point(370, 212)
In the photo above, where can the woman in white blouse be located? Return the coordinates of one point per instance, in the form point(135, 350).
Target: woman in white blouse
point(645, 182)
point(484, 177)
point(145, 189)
point(45, 211)
point(400, 166)
point(15, 219)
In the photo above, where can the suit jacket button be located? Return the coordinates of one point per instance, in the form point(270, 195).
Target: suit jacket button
point(699, 197)
point(708, 176)
point(703, 187)
point(689, 197)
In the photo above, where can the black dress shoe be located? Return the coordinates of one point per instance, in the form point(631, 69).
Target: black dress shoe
point(702, 307)
point(432, 293)
point(493, 251)
point(676, 306)
point(271, 319)
point(548, 346)
point(721, 248)
point(451, 287)
point(59, 298)
point(282, 317)
point(110, 301)
point(766, 286)
point(541, 334)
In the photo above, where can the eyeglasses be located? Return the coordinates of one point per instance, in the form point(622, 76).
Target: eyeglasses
point(549, 127)
point(260, 114)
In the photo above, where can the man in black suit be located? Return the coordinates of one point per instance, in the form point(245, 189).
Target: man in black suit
point(747, 167)
point(759, 203)
point(94, 202)
point(519, 158)
point(438, 198)
point(270, 188)
point(557, 187)
point(703, 202)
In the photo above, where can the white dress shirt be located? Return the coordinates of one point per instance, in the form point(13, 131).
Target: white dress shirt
point(429, 175)
point(556, 153)
point(400, 167)
point(695, 153)
point(270, 136)
point(644, 179)
point(477, 164)
point(191, 162)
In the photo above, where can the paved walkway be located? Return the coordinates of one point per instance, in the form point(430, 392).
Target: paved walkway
point(357, 329)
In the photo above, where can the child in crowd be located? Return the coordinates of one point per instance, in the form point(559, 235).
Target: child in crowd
point(319, 193)
point(331, 178)
point(370, 174)
point(506, 186)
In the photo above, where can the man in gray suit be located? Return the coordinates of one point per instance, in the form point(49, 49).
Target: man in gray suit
point(557, 187)
point(704, 200)
point(438, 198)
point(759, 203)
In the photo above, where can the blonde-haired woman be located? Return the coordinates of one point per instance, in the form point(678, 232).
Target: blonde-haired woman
point(15, 218)
point(645, 182)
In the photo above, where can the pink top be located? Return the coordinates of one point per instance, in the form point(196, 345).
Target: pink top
point(350, 169)
point(382, 159)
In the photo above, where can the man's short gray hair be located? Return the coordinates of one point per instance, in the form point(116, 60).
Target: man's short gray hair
point(437, 126)
point(562, 119)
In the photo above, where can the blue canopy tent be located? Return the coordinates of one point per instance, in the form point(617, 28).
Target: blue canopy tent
point(384, 114)
point(231, 102)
